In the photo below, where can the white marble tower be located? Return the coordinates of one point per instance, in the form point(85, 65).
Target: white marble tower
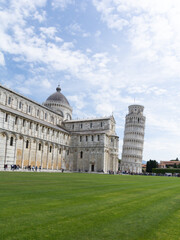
point(132, 151)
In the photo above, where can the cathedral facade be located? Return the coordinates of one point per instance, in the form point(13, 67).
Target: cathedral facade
point(46, 136)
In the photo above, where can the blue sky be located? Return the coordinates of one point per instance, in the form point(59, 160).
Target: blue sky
point(104, 53)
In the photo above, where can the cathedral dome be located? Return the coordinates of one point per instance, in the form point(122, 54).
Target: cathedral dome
point(59, 103)
point(58, 97)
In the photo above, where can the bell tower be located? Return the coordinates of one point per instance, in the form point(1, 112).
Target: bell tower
point(133, 141)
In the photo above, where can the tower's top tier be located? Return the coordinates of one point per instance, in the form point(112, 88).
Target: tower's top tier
point(136, 109)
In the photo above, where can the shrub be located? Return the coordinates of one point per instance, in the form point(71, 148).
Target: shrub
point(165, 170)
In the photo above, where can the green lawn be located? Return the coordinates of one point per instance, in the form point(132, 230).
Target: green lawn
point(88, 206)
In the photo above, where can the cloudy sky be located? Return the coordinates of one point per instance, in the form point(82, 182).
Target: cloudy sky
point(104, 54)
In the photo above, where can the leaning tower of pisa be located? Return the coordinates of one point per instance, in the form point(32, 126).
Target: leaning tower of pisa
point(133, 142)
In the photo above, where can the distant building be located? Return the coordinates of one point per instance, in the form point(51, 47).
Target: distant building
point(168, 164)
point(46, 136)
point(143, 167)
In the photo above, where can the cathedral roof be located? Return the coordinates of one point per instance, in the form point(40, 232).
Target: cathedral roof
point(58, 97)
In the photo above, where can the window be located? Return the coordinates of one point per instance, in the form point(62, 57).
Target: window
point(92, 138)
point(39, 146)
point(53, 133)
point(23, 122)
point(42, 129)
point(73, 126)
point(29, 109)
point(9, 100)
point(50, 149)
point(30, 125)
point(16, 119)
point(90, 125)
point(60, 151)
point(80, 138)
point(98, 137)
point(20, 105)
point(81, 154)
point(81, 125)
point(86, 138)
point(48, 131)
point(38, 113)
point(37, 127)
point(27, 144)
point(6, 117)
point(45, 115)
point(11, 141)
point(101, 124)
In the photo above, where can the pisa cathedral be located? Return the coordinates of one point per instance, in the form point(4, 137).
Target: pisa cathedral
point(46, 136)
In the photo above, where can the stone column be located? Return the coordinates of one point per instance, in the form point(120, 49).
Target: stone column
point(61, 156)
point(42, 153)
point(15, 149)
point(47, 155)
point(57, 158)
point(22, 157)
point(29, 160)
point(5, 155)
point(52, 160)
point(36, 154)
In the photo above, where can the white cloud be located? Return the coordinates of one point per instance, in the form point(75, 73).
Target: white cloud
point(58, 39)
point(116, 47)
point(109, 14)
point(27, 4)
point(26, 45)
point(40, 16)
point(97, 34)
point(61, 3)
point(2, 60)
point(46, 83)
point(86, 35)
point(24, 90)
point(104, 109)
point(48, 31)
point(161, 148)
point(152, 29)
point(146, 89)
point(76, 29)
point(78, 101)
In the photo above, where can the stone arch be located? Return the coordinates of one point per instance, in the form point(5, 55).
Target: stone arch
point(68, 116)
point(4, 136)
point(14, 135)
point(3, 133)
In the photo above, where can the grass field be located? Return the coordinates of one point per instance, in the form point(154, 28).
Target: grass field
point(88, 206)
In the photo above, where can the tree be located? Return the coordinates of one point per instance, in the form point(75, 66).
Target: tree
point(150, 165)
point(174, 166)
point(165, 170)
point(175, 159)
point(119, 163)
